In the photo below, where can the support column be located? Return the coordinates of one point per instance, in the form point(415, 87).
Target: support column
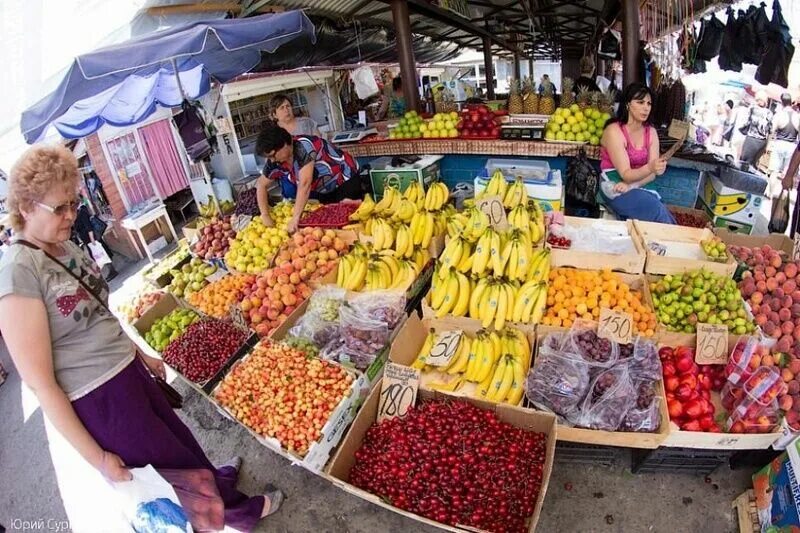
point(517, 67)
point(530, 68)
point(631, 60)
point(405, 53)
point(487, 68)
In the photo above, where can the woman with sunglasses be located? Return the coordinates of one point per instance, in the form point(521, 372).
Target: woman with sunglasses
point(93, 387)
point(282, 112)
point(306, 167)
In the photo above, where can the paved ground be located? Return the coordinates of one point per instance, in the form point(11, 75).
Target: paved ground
point(580, 497)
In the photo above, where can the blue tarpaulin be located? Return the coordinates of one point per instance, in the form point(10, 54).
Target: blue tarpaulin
point(123, 84)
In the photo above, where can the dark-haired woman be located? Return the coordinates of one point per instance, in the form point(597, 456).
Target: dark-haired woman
point(629, 157)
point(282, 112)
point(307, 167)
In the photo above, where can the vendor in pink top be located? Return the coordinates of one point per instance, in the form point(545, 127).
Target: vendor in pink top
point(630, 153)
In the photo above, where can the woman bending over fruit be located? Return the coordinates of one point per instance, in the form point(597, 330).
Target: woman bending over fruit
point(629, 157)
point(95, 390)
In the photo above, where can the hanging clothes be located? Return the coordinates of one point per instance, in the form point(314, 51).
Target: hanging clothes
point(730, 53)
point(712, 31)
point(778, 51)
point(753, 33)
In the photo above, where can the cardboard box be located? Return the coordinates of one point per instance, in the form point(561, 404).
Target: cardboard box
point(778, 241)
point(777, 491)
point(191, 230)
point(700, 214)
point(734, 226)
point(733, 205)
point(632, 263)
point(332, 431)
point(425, 171)
point(339, 469)
point(684, 252)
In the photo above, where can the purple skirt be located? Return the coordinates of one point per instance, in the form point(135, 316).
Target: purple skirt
point(129, 416)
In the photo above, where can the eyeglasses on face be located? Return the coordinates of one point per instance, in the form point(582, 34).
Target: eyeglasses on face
point(61, 210)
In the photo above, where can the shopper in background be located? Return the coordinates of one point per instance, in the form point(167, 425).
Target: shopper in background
point(728, 122)
point(545, 83)
point(71, 352)
point(756, 130)
point(84, 230)
point(786, 125)
point(586, 78)
point(283, 113)
point(630, 159)
point(397, 101)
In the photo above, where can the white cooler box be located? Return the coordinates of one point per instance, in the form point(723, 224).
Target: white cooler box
point(550, 195)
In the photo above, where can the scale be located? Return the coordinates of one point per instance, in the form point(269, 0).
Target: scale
point(352, 136)
point(524, 127)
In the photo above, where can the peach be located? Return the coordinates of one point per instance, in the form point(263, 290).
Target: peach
point(298, 239)
point(770, 272)
point(263, 329)
point(326, 241)
point(289, 299)
point(787, 328)
point(784, 344)
point(787, 375)
point(789, 286)
point(785, 315)
point(796, 296)
point(278, 306)
point(760, 276)
point(769, 328)
point(772, 284)
point(298, 263)
point(313, 245)
point(790, 269)
point(794, 366)
point(768, 360)
point(303, 274)
point(256, 318)
point(338, 244)
point(785, 403)
point(289, 309)
point(757, 297)
point(272, 314)
point(311, 266)
point(776, 261)
point(775, 304)
point(780, 277)
point(294, 278)
point(332, 254)
point(761, 286)
point(787, 302)
point(301, 251)
point(318, 233)
point(761, 319)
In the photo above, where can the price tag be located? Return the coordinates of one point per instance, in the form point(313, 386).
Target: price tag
point(796, 249)
point(237, 317)
point(398, 391)
point(615, 326)
point(493, 207)
point(216, 276)
point(678, 129)
point(444, 348)
point(712, 344)
point(241, 222)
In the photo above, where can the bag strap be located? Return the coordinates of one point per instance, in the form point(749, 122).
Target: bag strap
point(23, 242)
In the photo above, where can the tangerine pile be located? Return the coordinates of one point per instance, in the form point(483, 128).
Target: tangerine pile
point(574, 294)
point(216, 299)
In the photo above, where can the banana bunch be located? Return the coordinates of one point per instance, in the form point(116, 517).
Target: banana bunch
point(389, 203)
point(497, 185)
point(352, 268)
point(488, 254)
point(450, 293)
point(517, 254)
point(456, 254)
point(403, 241)
point(437, 196)
point(456, 365)
point(476, 224)
point(492, 301)
point(515, 195)
point(537, 219)
point(520, 217)
point(383, 234)
point(405, 211)
point(422, 228)
point(364, 210)
point(385, 271)
point(456, 224)
point(415, 194)
point(500, 365)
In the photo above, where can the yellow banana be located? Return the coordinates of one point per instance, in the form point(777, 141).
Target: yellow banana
point(502, 308)
point(475, 298)
point(482, 254)
point(462, 304)
point(428, 233)
point(425, 350)
point(517, 388)
point(539, 306)
point(364, 210)
point(451, 296)
point(490, 309)
point(462, 356)
point(495, 251)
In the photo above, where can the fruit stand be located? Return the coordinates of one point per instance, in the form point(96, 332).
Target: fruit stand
point(289, 336)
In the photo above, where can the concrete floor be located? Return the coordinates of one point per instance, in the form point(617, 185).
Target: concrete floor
point(580, 497)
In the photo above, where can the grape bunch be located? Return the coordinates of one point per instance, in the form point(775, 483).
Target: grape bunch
point(593, 348)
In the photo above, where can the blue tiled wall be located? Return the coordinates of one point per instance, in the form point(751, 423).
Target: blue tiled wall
point(677, 186)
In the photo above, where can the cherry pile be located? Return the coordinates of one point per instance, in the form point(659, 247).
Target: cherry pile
point(247, 204)
point(456, 464)
point(690, 220)
point(330, 215)
point(559, 242)
point(203, 348)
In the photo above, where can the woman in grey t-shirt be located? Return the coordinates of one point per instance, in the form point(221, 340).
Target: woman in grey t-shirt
point(282, 112)
point(72, 353)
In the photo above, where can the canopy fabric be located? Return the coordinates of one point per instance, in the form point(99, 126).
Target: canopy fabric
point(123, 84)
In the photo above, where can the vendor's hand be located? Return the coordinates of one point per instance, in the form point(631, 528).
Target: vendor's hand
point(621, 187)
point(267, 220)
point(156, 366)
point(658, 166)
point(291, 227)
point(113, 468)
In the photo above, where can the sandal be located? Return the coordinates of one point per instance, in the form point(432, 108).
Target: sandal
point(275, 497)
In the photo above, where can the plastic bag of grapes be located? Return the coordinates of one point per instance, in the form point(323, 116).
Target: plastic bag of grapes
point(384, 306)
point(361, 334)
point(642, 359)
point(558, 381)
point(337, 350)
point(326, 301)
point(315, 329)
point(610, 397)
point(645, 415)
point(582, 340)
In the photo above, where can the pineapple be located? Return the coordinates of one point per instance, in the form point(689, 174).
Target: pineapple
point(584, 95)
point(607, 102)
point(547, 104)
point(595, 99)
point(567, 98)
point(530, 100)
point(515, 106)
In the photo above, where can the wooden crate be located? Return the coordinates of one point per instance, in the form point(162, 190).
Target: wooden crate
point(679, 239)
point(746, 513)
point(630, 263)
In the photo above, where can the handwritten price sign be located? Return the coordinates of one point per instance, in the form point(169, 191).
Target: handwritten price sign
point(615, 326)
point(444, 348)
point(493, 207)
point(398, 391)
point(712, 344)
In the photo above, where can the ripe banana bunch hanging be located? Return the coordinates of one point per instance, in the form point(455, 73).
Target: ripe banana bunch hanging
point(422, 228)
point(437, 196)
point(497, 185)
point(516, 195)
point(415, 194)
point(405, 211)
point(364, 210)
point(389, 203)
point(476, 224)
point(505, 379)
point(450, 293)
point(383, 234)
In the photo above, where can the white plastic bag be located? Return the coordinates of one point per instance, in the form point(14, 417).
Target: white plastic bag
point(99, 254)
point(150, 503)
point(364, 81)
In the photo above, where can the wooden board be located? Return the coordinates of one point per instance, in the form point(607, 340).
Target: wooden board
point(746, 513)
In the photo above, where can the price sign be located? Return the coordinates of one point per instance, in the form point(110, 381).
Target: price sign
point(241, 222)
point(217, 275)
point(615, 326)
point(444, 348)
point(712, 344)
point(493, 207)
point(678, 129)
point(398, 391)
point(237, 317)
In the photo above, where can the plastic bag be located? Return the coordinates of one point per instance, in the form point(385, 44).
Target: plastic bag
point(386, 306)
point(739, 369)
point(362, 335)
point(364, 82)
point(337, 350)
point(779, 220)
point(582, 179)
point(598, 237)
point(558, 381)
point(582, 340)
point(316, 329)
point(645, 415)
point(610, 397)
point(642, 359)
point(326, 301)
point(149, 502)
point(99, 254)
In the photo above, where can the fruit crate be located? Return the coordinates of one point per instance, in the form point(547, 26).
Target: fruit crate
point(338, 471)
point(166, 278)
point(589, 454)
point(683, 249)
point(678, 461)
point(746, 513)
point(698, 216)
point(632, 263)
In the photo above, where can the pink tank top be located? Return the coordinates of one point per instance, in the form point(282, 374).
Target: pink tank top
point(638, 157)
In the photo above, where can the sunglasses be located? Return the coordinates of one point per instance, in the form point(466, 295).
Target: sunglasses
point(61, 210)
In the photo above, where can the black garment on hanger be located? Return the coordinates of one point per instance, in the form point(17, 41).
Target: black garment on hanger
point(778, 51)
point(753, 33)
point(730, 54)
point(712, 31)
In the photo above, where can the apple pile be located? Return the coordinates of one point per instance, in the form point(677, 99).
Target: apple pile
point(190, 278)
point(688, 386)
point(771, 288)
point(253, 248)
point(477, 120)
point(280, 392)
point(215, 238)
